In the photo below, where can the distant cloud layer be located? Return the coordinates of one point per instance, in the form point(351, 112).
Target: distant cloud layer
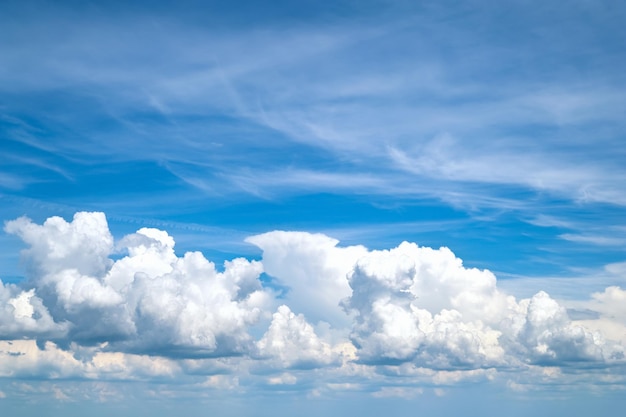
point(94, 308)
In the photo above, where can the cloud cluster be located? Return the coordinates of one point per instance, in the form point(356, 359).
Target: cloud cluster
point(421, 305)
point(148, 301)
point(93, 307)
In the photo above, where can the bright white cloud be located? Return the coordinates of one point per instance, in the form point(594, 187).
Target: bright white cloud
point(422, 305)
point(83, 244)
point(293, 341)
point(313, 268)
point(409, 311)
point(150, 300)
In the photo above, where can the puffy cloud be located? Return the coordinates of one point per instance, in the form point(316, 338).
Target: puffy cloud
point(148, 301)
point(609, 311)
point(22, 314)
point(196, 309)
point(410, 311)
point(313, 268)
point(611, 303)
point(550, 337)
point(83, 244)
point(386, 326)
point(25, 359)
point(293, 341)
point(421, 305)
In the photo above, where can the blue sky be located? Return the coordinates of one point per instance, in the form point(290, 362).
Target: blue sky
point(311, 139)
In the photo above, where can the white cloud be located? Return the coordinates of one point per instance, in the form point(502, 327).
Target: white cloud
point(422, 305)
point(410, 311)
point(294, 343)
point(196, 308)
point(611, 303)
point(24, 359)
point(228, 382)
point(83, 244)
point(617, 268)
point(594, 239)
point(150, 300)
point(551, 337)
point(283, 379)
point(314, 269)
point(117, 365)
point(446, 159)
point(23, 314)
point(610, 306)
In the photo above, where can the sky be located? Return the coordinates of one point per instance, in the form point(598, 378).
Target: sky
point(303, 207)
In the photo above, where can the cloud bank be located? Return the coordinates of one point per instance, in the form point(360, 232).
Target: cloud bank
point(133, 309)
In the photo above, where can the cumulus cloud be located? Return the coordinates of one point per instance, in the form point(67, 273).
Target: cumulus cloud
point(83, 244)
point(409, 311)
point(422, 305)
point(611, 303)
point(418, 304)
point(25, 359)
point(608, 314)
point(549, 336)
point(313, 268)
point(148, 301)
point(293, 342)
point(22, 314)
